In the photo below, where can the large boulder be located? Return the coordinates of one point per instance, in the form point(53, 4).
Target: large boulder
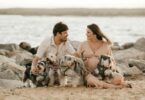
point(126, 70)
point(9, 47)
point(116, 46)
point(122, 56)
point(127, 45)
point(140, 44)
point(9, 69)
point(22, 57)
point(140, 64)
point(4, 83)
point(25, 46)
point(7, 53)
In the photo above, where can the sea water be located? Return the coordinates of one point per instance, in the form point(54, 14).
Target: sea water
point(33, 29)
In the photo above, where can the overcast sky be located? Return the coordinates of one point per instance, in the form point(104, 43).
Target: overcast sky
point(72, 3)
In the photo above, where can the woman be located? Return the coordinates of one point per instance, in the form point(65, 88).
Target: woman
point(96, 44)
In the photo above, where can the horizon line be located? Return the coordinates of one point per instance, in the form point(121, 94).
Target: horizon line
point(70, 8)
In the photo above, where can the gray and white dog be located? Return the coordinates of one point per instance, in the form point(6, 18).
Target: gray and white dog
point(72, 70)
point(44, 77)
point(40, 79)
point(54, 71)
point(54, 75)
point(104, 70)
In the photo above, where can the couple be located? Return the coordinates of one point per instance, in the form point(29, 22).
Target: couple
point(95, 45)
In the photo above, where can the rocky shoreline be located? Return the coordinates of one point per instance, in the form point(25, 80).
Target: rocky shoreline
point(130, 58)
point(73, 11)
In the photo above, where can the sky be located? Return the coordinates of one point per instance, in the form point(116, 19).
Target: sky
point(72, 3)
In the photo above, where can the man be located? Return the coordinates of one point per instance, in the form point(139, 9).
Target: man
point(57, 44)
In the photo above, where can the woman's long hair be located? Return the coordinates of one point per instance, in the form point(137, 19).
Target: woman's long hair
point(97, 31)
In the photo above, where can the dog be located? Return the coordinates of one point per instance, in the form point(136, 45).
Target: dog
point(44, 77)
point(104, 67)
point(70, 77)
point(54, 75)
point(40, 79)
point(72, 69)
point(74, 63)
point(54, 71)
point(105, 71)
point(93, 81)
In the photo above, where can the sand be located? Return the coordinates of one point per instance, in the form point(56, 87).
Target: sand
point(79, 93)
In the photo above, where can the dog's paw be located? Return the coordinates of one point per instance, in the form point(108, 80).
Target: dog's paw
point(26, 84)
point(32, 85)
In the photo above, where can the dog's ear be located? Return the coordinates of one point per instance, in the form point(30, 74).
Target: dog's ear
point(41, 68)
point(48, 60)
point(100, 59)
point(80, 68)
point(28, 65)
point(77, 68)
point(61, 61)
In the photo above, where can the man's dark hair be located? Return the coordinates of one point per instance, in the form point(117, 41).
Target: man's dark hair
point(59, 27)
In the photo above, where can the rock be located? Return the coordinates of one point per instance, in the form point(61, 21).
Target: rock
point(9, 47)
point(116, 46)
point(33, 50)
point(75, 44)
point(6, 53)
point(9, 74)
point(140, 64)
point(4, 83)
point(22, 57)
point(25, 46)
point(122, 56)
point(127, 45)
point(9, 69)
point(127, 71)
point(140, 44)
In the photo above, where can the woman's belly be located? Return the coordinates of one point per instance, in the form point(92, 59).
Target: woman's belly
point(91, 63)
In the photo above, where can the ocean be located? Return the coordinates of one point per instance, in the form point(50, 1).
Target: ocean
point(33, 29)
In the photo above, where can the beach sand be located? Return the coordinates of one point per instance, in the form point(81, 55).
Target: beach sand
point(79, 93)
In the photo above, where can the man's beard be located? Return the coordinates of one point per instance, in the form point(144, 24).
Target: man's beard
point(63, 40)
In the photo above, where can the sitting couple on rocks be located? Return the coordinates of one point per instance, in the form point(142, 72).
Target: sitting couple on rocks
point(97, 44)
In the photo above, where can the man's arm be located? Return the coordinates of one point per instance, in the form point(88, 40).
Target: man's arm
point(70, 48)
point(34, 69)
